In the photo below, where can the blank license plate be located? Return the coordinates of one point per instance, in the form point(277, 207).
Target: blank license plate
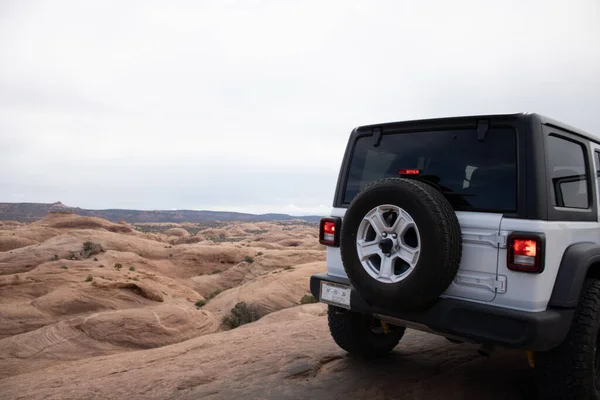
point(337, 295)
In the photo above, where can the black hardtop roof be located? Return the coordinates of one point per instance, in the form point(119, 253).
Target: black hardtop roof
point(471, 119)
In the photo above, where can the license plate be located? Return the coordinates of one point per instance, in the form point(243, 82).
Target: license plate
point(337, 295)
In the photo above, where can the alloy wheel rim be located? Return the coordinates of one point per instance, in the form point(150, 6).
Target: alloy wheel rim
point(388, 243)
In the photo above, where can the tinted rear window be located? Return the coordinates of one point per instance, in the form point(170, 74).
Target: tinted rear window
point(473, 175)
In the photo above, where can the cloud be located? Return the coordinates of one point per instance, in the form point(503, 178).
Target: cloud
point(248, 105)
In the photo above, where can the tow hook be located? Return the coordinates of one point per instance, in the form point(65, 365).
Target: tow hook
point(385, 326)
point(531, 358)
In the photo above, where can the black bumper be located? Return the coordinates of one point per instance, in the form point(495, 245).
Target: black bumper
point(481, 323)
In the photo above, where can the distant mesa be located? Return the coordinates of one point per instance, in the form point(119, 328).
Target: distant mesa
point(31, 212)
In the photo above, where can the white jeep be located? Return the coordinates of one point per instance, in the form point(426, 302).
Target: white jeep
point(481, 229)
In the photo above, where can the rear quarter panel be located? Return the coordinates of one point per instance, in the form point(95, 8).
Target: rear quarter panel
point(531, 292)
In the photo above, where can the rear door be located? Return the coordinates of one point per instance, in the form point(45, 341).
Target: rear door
point(477, 277)
point(476, 173)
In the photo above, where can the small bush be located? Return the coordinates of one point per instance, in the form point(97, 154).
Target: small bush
point(101, 265)
point(54, 258)
point(308, 299)
point(249, 259)
point(88, 246)
point(118, 266)
point(288, 267)
point(89, 278)
point(171, 255)
point(72, 256)
point(241, 314)
point(213, 294)
point(95, 259)
point(216, 271)
point(200, 303)
point(131, 268)
point(64, 267)
point(260, 253)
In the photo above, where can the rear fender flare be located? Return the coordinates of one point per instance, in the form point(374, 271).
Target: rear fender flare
point(572, 272)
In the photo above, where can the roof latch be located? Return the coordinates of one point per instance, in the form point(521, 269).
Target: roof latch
point(483, 125)
point(376, 137)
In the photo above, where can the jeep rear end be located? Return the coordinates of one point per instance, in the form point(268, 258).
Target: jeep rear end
point(492, 171)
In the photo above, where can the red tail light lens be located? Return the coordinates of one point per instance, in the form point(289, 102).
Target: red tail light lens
point(525, 252)
point(329, 231)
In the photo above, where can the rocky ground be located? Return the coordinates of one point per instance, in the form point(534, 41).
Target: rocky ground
point(143, 318)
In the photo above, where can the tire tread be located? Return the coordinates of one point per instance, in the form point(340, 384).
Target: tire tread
point(567, 371)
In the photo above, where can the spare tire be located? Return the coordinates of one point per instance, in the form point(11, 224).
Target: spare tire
point(400, 244)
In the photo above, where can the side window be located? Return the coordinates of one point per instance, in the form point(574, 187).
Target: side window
point(568, 173)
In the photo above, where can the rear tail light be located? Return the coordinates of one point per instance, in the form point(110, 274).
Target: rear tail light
point(329, 231)
point(526, 252)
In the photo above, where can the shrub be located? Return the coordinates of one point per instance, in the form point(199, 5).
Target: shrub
point(131, 268)
point(213, 294)
point(308, 299)
point(95, 259)
point(260, 253)
point(64, 267)
point(54, 258)
point(249, 259)
point(288, 267)
point(88, 246)
point(118, 266)
point(216, 271)
point(241, 314)
point(89, 278)
point(200, 303)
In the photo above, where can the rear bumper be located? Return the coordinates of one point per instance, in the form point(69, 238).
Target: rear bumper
point(481, 323)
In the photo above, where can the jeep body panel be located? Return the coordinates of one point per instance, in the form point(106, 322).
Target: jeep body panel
point(532, 292)
point(513, 308)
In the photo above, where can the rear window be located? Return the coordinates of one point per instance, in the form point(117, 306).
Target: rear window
point(472, 174)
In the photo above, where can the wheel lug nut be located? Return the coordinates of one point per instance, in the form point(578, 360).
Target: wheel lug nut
point(387, 254)
point(384, 234)
point(394, 236)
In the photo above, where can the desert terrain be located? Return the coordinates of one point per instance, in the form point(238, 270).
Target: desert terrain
point(92, 309)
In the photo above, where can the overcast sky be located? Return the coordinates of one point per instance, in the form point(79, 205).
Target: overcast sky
point(247, 105)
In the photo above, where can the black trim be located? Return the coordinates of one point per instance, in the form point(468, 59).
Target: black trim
point(539, 331)
point(572, 272)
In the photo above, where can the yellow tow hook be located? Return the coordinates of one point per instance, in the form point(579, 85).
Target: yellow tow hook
point(386, 327)
point(531, 358)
